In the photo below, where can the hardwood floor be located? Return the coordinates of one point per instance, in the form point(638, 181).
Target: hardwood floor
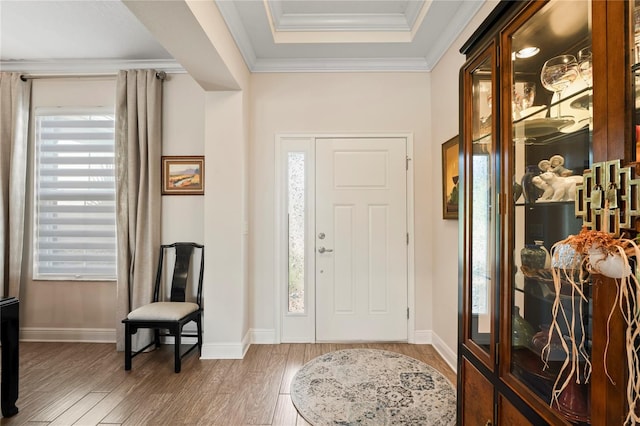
point(85, 384)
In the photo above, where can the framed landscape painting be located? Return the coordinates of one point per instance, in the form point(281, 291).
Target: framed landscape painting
point(183, 175)
point(450, 178)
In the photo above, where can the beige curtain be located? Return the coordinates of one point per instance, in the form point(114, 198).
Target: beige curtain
point(15, 98)
point(138, 157)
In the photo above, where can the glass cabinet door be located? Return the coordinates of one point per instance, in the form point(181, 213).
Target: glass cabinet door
point(548, 117)
point(635, 70)
point(480, 206)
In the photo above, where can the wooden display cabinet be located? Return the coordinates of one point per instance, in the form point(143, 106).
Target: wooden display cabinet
point(548, 89)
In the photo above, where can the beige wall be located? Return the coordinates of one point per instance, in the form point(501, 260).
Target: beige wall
point(235, 130)
point(444, 115)
point(226, 205)
point(226, 209)
point(336, 103)
point(61, 310)
point(182, 134)
point(316, 103)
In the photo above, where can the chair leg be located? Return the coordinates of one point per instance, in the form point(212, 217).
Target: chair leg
point(199, 328)
point(177, 339)
point(127, 347)
point(156, 337)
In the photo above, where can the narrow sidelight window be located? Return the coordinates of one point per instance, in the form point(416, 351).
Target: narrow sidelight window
point(296, 231)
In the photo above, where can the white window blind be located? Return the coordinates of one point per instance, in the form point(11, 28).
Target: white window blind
point(75, 230)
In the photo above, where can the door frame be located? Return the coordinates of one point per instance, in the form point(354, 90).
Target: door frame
point(301, 328)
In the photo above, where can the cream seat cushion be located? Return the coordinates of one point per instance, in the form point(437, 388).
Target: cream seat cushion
point(171, 311)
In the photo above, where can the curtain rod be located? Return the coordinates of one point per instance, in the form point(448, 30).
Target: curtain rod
point(161, 75)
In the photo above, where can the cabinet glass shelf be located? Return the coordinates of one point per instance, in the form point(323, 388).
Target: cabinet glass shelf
point(559, 131)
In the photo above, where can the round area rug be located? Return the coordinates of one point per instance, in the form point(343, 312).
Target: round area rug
point(372, 387)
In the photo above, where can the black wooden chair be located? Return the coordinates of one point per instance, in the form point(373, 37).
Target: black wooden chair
point(173, 314)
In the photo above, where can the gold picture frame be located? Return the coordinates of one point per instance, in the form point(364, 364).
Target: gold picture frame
point(183, 175)
point(450, 174)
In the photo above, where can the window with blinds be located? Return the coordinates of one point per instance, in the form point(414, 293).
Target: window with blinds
point(75, 228)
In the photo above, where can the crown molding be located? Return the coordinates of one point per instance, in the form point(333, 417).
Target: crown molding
point(348, 22)
point(454, 28)
point(238, 31)
point(341, 65)
point(88, 66)
point(414, 14)
point(414, 9)
point(240, 36)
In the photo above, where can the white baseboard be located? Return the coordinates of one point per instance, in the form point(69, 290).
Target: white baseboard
point(445, 352)
point(262, 336)
point(169, 340)
point(81, 335)
point(255, 336)
point(300, 340)
point(422, 337)
point(228, 350)
point(428, 337)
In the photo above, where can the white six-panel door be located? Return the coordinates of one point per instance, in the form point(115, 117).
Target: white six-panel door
point(361, 239)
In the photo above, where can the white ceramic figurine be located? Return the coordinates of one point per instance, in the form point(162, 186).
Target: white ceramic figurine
point(557, 188)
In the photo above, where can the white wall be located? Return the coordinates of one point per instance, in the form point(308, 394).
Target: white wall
point(226, 211)
point(337, 103)
point(444, 115)
point(196, 121)
point(182, 134)
point(60, 310)
point(226, 145)
point(235, 218)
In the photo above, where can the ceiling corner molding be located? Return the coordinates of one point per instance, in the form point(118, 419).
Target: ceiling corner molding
point(350, 22)
point(274, 11)
point(341, 37)
point(466, 12)
point(88, 66)
point(341, 65)
point(238, 31)
point(334, 29)
point(421, 15)
point(414, 9)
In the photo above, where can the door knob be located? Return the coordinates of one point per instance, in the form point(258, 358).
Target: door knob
point(324, 250)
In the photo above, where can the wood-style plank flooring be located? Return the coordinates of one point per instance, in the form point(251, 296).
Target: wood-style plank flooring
point(85, 384)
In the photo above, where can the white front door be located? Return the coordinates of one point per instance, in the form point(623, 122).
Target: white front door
point(361, 239)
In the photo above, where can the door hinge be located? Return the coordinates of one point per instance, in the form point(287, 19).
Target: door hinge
point(497, 353)
point(407, 313)
point(406, 164)
point(407, 238)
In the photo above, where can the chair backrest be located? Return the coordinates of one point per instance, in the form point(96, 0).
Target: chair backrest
point(181, 268)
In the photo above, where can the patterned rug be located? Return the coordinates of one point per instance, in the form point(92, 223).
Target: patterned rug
point(372, 387)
